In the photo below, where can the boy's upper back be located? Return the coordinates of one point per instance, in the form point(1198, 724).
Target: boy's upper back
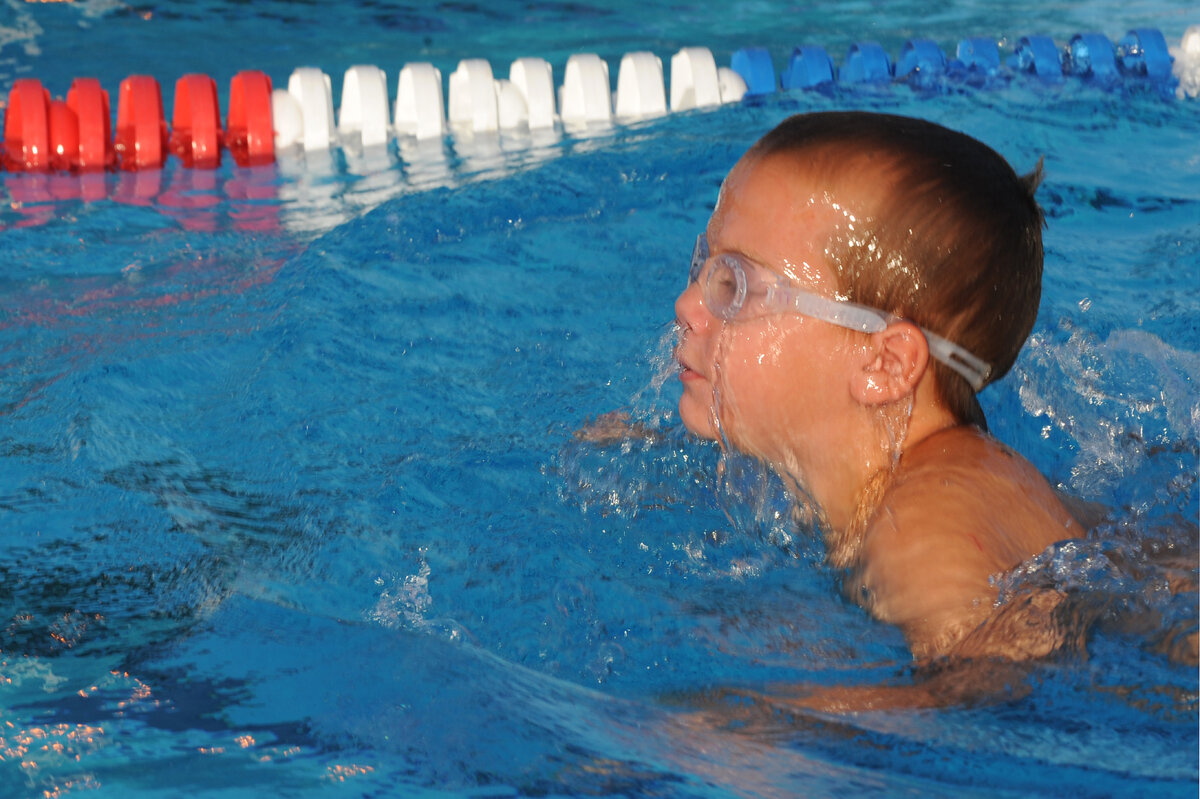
point(960, 509)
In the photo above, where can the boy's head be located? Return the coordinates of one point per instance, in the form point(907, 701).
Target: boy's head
point(936, 228)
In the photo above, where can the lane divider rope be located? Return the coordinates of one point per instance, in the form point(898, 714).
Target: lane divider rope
point(43, 134)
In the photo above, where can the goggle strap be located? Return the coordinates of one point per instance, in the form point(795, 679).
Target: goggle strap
point(871, 320)
point(974, 370)
point(835, 312)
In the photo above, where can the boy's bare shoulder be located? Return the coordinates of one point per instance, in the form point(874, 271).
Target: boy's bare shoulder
point(965, 483)
point(961, 509)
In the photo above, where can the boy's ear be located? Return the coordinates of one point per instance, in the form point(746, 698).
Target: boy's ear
point(895, 363)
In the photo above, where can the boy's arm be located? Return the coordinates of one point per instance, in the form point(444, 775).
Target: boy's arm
point(614, 427)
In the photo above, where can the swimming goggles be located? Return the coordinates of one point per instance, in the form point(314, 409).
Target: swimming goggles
point(734, 287)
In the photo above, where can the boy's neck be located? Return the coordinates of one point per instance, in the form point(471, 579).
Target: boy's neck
point(850, 499)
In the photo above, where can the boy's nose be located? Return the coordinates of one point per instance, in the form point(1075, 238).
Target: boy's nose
point(690, 312)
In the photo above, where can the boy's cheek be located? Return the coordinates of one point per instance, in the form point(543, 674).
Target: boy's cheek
point(767, 343)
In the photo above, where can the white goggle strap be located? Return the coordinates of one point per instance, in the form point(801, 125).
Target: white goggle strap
point(974, 370)
point(871, 320)
point(835, 312)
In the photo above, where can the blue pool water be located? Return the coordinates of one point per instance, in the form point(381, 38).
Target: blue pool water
point(290, 500)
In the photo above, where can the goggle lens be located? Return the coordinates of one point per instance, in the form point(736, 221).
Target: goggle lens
point(724, 287)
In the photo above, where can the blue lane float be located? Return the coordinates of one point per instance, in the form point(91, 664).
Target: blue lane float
point(979, 54)
point(866, 62)
point(1144, 52)
point(756, 68)
point(920, 58)
point(1037, 55)
point(808, 68)
point(1090, 55)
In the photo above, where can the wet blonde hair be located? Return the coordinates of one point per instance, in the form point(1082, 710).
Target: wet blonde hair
point(950, 238)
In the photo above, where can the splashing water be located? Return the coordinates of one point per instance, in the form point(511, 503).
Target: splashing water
point(404, 604)
point(1119, 420)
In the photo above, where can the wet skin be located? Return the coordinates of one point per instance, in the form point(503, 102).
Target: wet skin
point(921, 510)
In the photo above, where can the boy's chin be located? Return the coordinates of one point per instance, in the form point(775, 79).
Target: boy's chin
point(699, 424)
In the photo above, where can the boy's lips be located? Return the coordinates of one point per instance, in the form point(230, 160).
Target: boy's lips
point(686, 372)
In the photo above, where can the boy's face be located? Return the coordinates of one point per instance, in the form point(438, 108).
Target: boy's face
point(775, 386)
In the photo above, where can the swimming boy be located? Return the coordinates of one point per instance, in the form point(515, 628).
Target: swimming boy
point(861, 278)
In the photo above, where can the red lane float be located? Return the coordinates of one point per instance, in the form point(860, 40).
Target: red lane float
point(27, 127)
point(196, 122)
point(141, 141)
point(92, 113)
point(64, 136)
point(249, 131)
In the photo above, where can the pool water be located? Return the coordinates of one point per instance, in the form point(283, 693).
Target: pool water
point(291, 500)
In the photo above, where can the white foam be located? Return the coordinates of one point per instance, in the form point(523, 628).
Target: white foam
point(1187, 63)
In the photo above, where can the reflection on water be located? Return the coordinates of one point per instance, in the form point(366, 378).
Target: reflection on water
point(305, 192)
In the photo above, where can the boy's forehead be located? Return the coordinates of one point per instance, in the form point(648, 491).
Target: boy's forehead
point(775, 202)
